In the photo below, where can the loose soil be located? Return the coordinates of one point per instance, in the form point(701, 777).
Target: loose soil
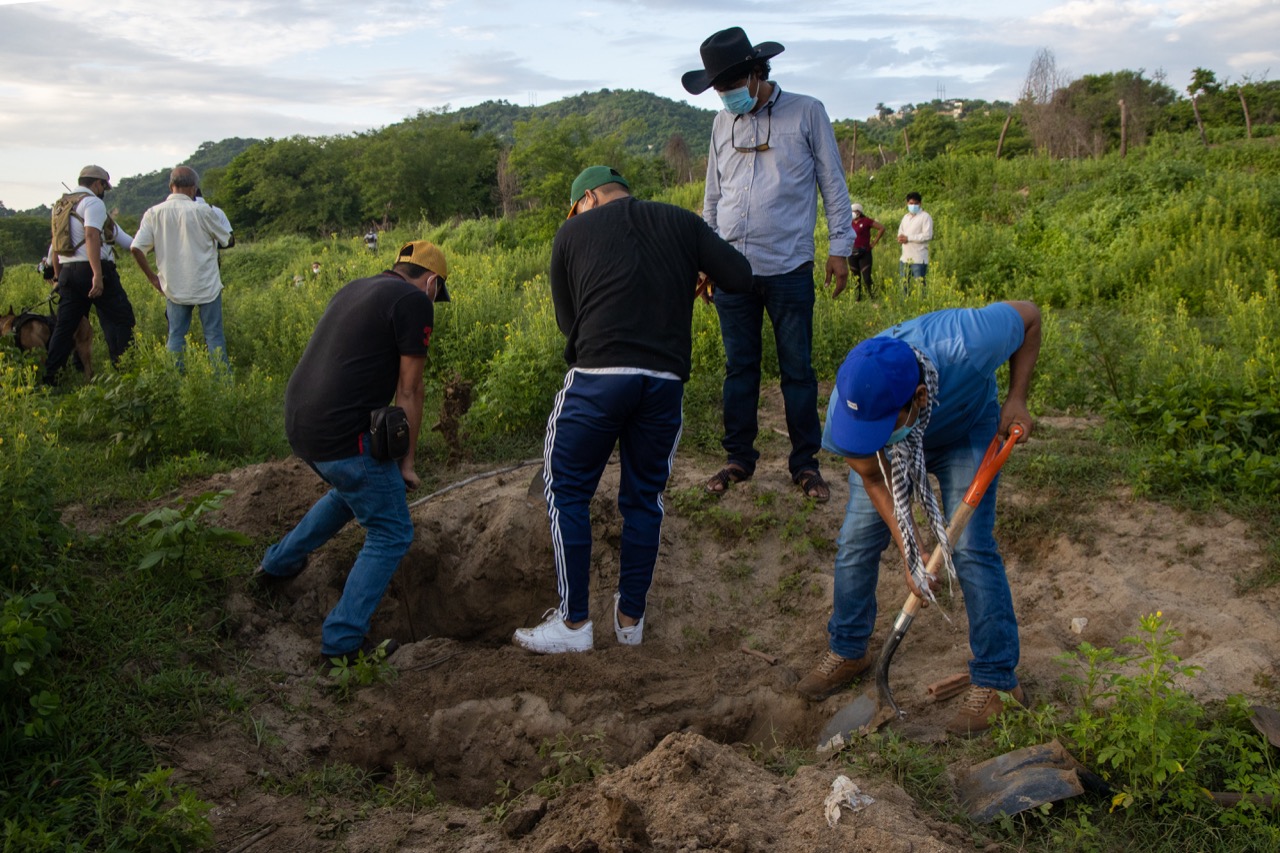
point(689, 724)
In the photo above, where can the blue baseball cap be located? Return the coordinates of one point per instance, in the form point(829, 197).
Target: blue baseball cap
point(878, 378)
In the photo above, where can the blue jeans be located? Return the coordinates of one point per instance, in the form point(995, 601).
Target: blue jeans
point(908, 271)
point(210, 320)
point(642, 415)
point(789, 300)
point(373, 493)
point(993, 628)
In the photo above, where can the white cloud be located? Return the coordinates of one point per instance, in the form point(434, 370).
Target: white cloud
point(1101, 15)
point(138, 79)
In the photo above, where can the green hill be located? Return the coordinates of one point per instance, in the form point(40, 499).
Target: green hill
point(605, 111)
point(135, 194)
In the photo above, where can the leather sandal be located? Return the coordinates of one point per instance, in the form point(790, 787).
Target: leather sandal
point(725, 477)
point(813, 486)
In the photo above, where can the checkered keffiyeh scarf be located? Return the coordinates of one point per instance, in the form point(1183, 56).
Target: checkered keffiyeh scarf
point(909, 480)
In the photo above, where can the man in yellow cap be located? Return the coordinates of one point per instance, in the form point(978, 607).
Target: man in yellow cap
point(369, 347)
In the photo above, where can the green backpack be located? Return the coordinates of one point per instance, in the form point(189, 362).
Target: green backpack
point(63, 210)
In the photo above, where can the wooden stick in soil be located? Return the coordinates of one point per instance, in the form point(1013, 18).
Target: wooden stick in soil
point(475, 478)
point(255, 838)
point(952, 685)
point(772, 660)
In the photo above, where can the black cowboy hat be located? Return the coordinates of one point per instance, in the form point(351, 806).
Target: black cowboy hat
point(722, 51)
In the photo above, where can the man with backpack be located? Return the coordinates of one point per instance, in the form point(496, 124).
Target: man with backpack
point(84, 241)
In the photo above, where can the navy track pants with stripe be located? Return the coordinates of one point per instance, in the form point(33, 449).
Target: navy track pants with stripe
point(593, 412)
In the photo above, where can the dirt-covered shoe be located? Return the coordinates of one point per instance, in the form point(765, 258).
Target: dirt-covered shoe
point(833, 673)
point(368, 648)
point(266, 580)
point(627, 635)
point(980, 707)
point(554, 636)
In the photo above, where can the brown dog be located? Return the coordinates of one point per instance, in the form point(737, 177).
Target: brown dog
point(33, 331)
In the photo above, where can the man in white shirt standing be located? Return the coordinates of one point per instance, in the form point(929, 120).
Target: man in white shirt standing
point(186, 236)
point(84, 241)
point(914, 233)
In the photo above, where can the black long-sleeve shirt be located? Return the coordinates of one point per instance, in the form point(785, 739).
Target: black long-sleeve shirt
point(623, 281)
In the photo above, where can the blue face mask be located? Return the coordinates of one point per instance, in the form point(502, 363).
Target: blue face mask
point(738, 101)
point(901, 432)
point(913, 208)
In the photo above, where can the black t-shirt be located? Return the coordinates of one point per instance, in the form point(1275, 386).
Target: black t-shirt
point(352, 363)
point(623, 279)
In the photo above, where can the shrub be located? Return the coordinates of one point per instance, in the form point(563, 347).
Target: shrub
point(1147, 736)
point(30, 527)
point(31, 629)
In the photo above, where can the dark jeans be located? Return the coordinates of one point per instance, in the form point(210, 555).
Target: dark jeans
point(907, 272)
point(789, 300)
point(593, 412)
point(115, 314)
point(860, 266)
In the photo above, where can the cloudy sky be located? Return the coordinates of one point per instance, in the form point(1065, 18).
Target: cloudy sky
point(136, 85)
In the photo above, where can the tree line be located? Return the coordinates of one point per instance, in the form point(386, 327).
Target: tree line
point(516, 162)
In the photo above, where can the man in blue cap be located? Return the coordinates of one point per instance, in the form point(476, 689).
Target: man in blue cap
point(919, 399)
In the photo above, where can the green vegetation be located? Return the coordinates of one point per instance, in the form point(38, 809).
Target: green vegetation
point(570, 760)
point(364, 670)
point(175, 531)
point(1160, 751)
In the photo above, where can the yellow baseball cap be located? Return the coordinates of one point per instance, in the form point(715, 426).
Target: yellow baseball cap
point(428, 256)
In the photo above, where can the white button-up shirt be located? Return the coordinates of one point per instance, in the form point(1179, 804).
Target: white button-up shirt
point(918, 229)
point(186, 237)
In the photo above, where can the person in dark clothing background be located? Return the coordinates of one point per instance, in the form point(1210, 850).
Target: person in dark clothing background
point(624, 278)
point(863, 243)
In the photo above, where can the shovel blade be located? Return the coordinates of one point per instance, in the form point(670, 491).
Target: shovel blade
point(860, 717)
point(1267, 722)
point(1020, 780)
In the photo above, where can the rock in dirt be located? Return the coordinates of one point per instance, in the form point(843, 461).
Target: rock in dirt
point(522, 819)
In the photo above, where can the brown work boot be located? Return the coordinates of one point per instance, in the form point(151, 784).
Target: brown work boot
point(832, 673)
point(979, 708)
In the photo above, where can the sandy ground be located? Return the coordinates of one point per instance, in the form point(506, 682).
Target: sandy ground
point(679, 718)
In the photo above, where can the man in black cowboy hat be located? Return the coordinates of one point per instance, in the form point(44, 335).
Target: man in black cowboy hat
point(771, 154)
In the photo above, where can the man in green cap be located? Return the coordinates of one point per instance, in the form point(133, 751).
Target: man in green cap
point(624, 278)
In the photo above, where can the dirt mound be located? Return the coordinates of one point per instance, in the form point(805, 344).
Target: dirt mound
point(692, 794)
point(268, 497)
point(751, 569)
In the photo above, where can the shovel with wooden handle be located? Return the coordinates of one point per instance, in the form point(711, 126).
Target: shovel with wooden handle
point(875, 707)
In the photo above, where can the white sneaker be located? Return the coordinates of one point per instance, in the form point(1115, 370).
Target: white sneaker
point(554, 636)
point(627, 636)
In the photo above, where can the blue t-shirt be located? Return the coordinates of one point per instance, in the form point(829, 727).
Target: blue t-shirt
point(967, 346)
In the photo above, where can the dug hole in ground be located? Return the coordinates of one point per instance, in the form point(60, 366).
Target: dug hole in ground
point(679, 718)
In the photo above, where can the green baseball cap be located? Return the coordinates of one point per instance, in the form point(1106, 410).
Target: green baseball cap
point(590, 178)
